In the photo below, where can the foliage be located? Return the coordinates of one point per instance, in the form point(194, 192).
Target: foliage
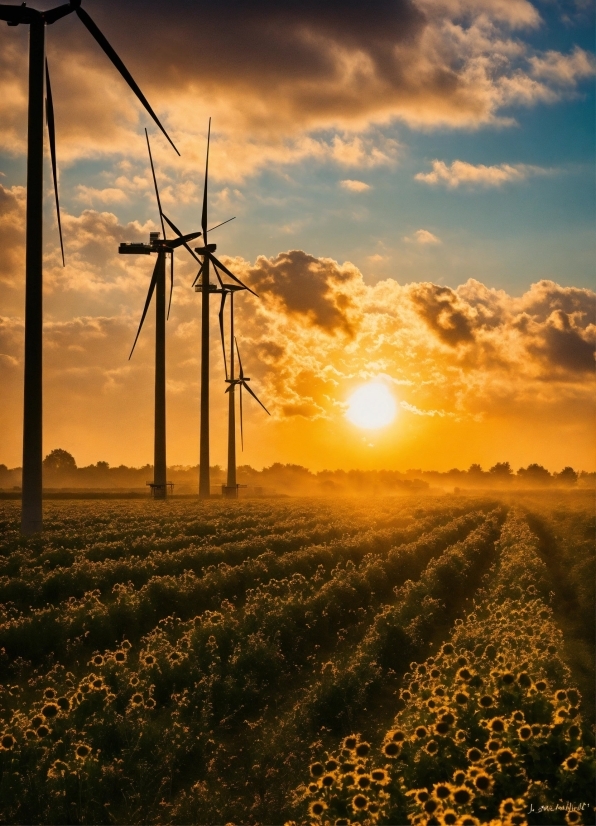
point(184, 663)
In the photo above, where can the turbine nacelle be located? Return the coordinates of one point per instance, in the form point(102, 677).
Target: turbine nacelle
point(206, 249)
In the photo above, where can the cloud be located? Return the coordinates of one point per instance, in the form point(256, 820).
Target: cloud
point(354, 186)
point(463, 173)
point(285, 82)
point(563, 70)
point(12, 232)
point(423, 236)
point(109, 195)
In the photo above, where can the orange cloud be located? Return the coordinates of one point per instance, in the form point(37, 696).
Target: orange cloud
point(286, 82)
point(462, 173)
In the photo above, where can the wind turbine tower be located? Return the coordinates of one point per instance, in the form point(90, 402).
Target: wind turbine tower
point(157, 285)
point(230, 489)
point(203, 285)
point(15, 15)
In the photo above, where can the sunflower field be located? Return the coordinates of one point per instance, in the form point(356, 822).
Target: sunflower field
point(394, 661)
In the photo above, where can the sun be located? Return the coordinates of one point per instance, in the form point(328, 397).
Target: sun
point(371, 406)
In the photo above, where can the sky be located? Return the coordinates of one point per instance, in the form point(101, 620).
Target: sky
point(413, 189)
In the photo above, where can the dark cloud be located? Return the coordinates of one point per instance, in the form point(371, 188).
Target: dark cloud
point(564, 347)
point(547, 296)
point(318, 289)
point(444, 312)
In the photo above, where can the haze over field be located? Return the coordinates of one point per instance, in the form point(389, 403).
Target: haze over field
point(413, 186)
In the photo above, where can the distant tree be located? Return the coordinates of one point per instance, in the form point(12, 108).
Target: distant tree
point(534, 474)
point(567, 476)
point(475, 470)
point(60, 462)
point(102, 466)
point(502, 470)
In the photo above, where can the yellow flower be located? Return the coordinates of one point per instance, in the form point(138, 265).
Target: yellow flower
point(317, 808)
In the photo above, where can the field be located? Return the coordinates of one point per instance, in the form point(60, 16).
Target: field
point(405, 660)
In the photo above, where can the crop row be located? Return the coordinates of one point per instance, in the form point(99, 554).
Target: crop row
point(93, 622)
point(490, 730)
point(52, 577)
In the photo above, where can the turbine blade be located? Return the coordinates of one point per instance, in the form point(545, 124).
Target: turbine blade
point(198, 275)
point(171, 284)
point(221, 330)
point(179, 234)
point(231, 275)
point(147, 302)
point(255, 397)
point(101, 40)
point(52, 15)
point(241, 375)
point(204, 216)
point(178, 242)
point(217, 226)
point(163, 229)
point(241, 421)
point(217, 275)
point(52, 134)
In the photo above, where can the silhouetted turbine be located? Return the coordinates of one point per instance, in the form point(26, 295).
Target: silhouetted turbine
point(31, 511)
point(231, 487)
point(158, 285)
point(202, 285)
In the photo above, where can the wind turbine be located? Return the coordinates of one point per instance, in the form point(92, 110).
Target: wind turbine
point(230, 489)
point(31, 509)
point(202, 285)
point(157, 285)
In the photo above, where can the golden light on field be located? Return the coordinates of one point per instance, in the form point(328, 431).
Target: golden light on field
point(371, 406)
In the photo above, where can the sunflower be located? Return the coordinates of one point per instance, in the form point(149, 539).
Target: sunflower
point(486, 701)
point(362, 749)
point(331, 765)
point(391, 749)
point(505, 756)
point(50, 710)
point(82, 751)
point(421, 732)
point(469, 820)
point(571, 763)
point(524, 733)
point(573, 817)
point(462, 795)
point(447, 649)
point(450, 817)
point(97, 660)
point(441, 791)
point(432, 747)
point(327, 780)
point(317, 769)
point(136, 699)
point(49, 694)
point(363, 781)
point(150, 703)
point(149, 659)
point(350, 742)
point(497, 725)
point(317, 808)
point(474, 755)
point(483, 782)
point(461, 698)
point(359, 802)
point(459, 777)
point(380, 776)
point(43, 731)
point(507, 806)
point(8, 742)
point(431, 806)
